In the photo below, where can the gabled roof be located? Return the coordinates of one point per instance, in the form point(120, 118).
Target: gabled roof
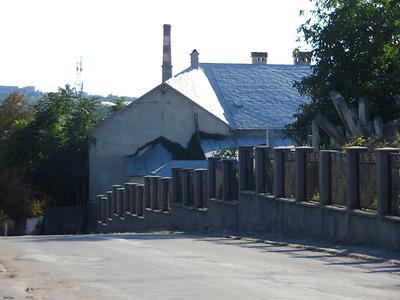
point(245, 96)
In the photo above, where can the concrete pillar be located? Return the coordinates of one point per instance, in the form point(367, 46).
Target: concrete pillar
point(325, 177)
point(109, 204)
point(115, 209)
point(190, 199)
point(99, 208)
point(383, 179)
point(352, 179)
point(175, 186)
point(146, 192)
point(127, 197)
point(164, 193)
point(121, 201)
point(185, 185)
point(227, 187)
point(278, 176)
point(198, 191)
point(204, 187)
point(132, 198)
point(300, 174)
point(245, 168)
point(154, 192)
point(139, 199)
point(103, 209)
point(261, 168)
point(211, 177)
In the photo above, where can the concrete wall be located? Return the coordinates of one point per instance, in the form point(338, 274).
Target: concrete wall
point(155, 114)
point(256, 210)
point(64, 220)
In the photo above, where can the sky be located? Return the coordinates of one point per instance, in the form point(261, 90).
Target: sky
point(120, 41)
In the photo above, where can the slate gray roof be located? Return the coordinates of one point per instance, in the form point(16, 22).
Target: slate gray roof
point(249, 96)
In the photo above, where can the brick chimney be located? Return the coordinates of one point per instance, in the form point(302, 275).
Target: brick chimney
point(301, 57)
point(167, 66)
point(194, 59)
point(259, 58)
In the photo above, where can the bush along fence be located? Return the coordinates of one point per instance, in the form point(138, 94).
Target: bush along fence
point(351, 196)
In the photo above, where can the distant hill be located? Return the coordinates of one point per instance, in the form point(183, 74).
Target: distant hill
point(29, 91)
point(33, 95)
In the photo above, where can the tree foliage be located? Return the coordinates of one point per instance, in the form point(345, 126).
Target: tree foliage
point(16, 196)
point(51, 148)
point(356, 49)
point(119, 104)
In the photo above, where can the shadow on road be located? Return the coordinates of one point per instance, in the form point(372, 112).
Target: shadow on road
point(372, 259)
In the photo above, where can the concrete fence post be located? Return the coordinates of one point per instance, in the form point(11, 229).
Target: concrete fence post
point(352, 176)
point(278, 176)
point(204, 188)
point(154, 192)
point(146, 191)
point(197, 189)
point(300, 172)
point(139, 199)
point(383, 179)
point(260, 165)
point(190, 199)
point(226, 179)
point(324, 177)
point(245, 168)
point(115, 205)
point(175, 186)
point(104, 209)
point(132, 199)
point(127, 198)
point(109, 205)
point(121, 200)
point(99, 208)
point(185, 185)
point(164, 193)
point(211, 177)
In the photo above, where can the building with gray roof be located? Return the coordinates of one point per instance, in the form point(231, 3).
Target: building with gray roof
point(205, 108)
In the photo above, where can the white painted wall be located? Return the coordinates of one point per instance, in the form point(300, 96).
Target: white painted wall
point(155, 114)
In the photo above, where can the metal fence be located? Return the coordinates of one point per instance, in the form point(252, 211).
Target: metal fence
point(394, 205)
point(338, 178)
point(367, 181)
point(289, 173)
point(219, 179)
point(269, 171)
point(312, 175)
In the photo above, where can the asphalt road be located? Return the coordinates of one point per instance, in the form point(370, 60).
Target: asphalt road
point(177, 266)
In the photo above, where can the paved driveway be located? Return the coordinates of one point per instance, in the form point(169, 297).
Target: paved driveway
point(178, 266)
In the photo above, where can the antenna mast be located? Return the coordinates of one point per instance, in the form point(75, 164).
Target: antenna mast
point(79, 83)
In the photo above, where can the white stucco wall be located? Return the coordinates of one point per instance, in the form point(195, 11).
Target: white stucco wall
point(153, 115)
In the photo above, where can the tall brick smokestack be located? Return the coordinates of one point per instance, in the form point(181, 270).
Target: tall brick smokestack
point(167, 66)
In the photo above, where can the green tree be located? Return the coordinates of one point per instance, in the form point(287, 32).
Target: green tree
point(51, 149)
point(119, 103)
point(16, 197)
point(356, 49)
